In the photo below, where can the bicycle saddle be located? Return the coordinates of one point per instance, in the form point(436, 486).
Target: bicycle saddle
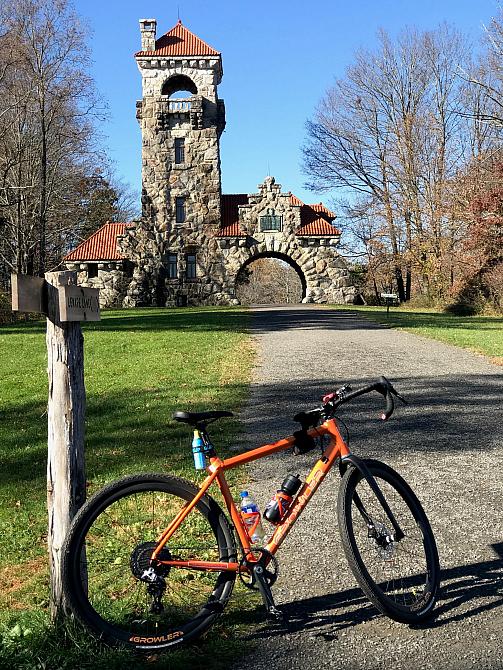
point(197, 418)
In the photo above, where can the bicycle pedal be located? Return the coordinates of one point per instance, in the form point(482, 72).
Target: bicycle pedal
point(277, 615)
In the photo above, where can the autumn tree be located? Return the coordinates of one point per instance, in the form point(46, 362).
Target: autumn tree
point(393, 134)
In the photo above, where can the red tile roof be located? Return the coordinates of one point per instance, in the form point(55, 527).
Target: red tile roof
point(179, 41)
point(101, 245)
point(294, 200)
point(317, 226)
point(320, 207)
point(230, 215)
point(315, 219)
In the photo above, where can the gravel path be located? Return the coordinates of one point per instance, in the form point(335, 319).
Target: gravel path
point(448, 444)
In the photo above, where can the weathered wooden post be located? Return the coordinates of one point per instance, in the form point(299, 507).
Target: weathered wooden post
point(66, 408)
point(65, 305)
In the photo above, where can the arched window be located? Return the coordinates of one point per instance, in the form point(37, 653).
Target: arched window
point(179, 86)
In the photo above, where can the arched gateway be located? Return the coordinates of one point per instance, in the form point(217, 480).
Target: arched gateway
point(192, 241)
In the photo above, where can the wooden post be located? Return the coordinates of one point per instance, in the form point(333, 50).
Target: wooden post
point(66, 481)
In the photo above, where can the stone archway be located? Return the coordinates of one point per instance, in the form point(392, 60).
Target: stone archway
point(284, 258)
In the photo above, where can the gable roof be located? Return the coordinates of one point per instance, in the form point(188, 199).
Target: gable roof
point(179, 41)
point(101, 245)
point(315, 219)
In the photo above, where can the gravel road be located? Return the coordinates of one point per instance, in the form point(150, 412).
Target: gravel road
point(448, 444)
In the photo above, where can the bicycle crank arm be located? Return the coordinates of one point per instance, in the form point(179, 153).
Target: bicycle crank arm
point(360, 464)
point(266, 593)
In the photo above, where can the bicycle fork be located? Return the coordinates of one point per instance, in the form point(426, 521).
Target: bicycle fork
point(360, 465)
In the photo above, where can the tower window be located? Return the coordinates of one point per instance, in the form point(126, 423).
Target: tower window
point(179, 150)
point(180, 209)
point(271, 222)
point(190, 269)
point(172, 266)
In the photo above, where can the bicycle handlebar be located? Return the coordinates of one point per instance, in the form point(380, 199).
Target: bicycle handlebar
point(382, 386)
point(333, 400)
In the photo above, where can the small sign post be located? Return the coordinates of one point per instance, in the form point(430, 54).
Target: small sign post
point(65, 305)
point(391, 299)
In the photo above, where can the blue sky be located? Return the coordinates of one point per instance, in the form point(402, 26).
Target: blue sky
point(278, 58)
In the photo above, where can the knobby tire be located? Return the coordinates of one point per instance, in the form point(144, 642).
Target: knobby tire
point(112, 537)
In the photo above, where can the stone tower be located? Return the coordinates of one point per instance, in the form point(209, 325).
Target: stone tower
point(194, 245)
point(181, 120)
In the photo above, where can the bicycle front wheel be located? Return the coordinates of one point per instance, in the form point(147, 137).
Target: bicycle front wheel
point(400, 578)
point(107, 553)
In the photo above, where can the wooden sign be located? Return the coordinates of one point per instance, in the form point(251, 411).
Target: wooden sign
point(77, 303)
point(28, 294)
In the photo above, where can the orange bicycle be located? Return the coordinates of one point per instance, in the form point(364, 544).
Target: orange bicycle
point(150, 561)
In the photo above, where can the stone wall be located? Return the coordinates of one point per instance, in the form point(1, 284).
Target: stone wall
point(316, 258)
point(113, 280)
point(200, 119)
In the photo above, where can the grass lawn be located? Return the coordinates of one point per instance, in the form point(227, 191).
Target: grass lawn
point(483, 334)
point(140, 365)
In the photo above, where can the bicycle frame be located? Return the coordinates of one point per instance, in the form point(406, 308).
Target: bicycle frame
point(336, 448)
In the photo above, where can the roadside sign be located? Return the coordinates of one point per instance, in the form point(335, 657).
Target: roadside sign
point(28, 294)
point(391, 296)
point(77, 303)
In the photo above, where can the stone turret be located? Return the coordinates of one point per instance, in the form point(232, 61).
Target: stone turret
point(181, 120)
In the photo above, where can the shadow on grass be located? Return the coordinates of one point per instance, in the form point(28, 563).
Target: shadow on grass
point(150, 319)
point(130, 430)
point(133, 430)
point(433, 320)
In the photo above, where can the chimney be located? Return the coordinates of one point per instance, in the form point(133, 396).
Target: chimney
point(147, 29)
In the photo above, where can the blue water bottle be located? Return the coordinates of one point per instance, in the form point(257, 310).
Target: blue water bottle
point(198, 451)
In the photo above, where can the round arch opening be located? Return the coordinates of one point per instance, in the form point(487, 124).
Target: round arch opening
point(284, 281)
point(179, 86)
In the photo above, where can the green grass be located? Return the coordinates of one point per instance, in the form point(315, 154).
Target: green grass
point(140, 366)
point(483, 334)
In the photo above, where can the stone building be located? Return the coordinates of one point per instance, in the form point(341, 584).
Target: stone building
point(192, 242)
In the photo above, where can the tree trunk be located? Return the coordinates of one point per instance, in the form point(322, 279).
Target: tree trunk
point(66, 481)
point(43, 192)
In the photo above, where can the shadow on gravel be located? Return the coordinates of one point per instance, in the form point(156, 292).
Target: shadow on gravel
point(479, 582)
point(326, 615)
point(271, 320)
point(445, 413)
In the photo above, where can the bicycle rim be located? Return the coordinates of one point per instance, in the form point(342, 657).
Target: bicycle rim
point(400, 578)
point(113, 539)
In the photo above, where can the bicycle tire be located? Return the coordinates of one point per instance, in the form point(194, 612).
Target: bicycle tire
point(113, 534)
point(409, 595)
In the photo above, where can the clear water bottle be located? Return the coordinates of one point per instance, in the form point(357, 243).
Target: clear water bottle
point(250, 514)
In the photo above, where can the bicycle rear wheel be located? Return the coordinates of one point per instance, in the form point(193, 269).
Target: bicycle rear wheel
point(400, 578)
point(112, 538)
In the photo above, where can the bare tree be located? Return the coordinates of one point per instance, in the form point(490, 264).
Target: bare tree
point(393, 131)
point(268, 281)
point(48, 142)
